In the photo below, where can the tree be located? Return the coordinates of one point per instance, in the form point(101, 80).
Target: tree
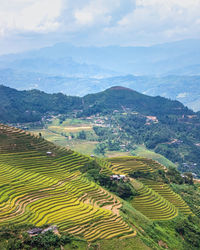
point(81, 135)
point(188, 178)
point(100, 149)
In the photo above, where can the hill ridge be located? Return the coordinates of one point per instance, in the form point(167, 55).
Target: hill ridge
point(30, 106)
point(119, 88)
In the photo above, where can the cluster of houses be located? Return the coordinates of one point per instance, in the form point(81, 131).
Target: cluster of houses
point(37, 230)
point(175, 141)
point(118, 177)
point(193, 175)
point(151, 119)
point(189, 165)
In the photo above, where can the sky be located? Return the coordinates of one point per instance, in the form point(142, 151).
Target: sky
point(28, 24)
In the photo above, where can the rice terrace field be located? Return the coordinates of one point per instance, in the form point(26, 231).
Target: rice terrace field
point(155, 200)
point(51, 189)
point(42, 183)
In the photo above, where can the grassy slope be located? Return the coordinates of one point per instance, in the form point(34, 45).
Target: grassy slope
point(124, 244)
point(128, 244)
point(82, 146)
point(144, 152)
point(54, 132)
point(116, 154)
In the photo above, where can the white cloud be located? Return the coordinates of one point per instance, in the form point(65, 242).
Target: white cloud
point(29, 15)
point(101, 22)
point(160, 19)
point(95, 12)
point(182, 95)
point(92, 13)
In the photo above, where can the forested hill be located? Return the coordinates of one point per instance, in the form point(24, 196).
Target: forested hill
point(29, 106)
point(121, 98)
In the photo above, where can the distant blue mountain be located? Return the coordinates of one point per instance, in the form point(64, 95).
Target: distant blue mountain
point(171, 70)
point(67, 60)
point(59, 66)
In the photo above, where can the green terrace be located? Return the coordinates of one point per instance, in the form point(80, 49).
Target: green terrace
point(42, 183)
point(155, 199)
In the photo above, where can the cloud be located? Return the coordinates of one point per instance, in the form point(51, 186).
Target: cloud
point(18, 16)
point(101, 22)
point(95, 12)
point(158, 21)
point(78, 15)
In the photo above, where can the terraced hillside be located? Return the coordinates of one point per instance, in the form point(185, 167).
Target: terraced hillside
point(155, 199)
point(165, 191)
point(130, 164)
point(39, 187)
point(153, 205)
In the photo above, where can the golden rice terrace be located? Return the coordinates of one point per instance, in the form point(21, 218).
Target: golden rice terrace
point(41, 183)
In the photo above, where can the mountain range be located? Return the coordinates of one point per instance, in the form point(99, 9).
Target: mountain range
point(169, 70)
point(185, 89)
point(161, 59)
point(29, 106)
